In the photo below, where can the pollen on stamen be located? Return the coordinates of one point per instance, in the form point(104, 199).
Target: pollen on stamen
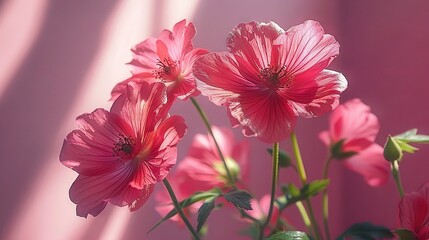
point(123, 147)
point(272, 76)
point(165, 67)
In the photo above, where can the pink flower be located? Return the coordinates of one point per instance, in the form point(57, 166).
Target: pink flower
point(269, 77)
point(167, 59)
point(355, 125)
point(203, 169)
point(261, 208)
point(414, 212)
point(121, 154)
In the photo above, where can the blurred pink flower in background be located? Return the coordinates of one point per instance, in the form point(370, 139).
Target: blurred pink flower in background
point(356, 127)
point(414, 212)
point(203, 169)
point(269, 77)
point(167, 59)
point(121, 154)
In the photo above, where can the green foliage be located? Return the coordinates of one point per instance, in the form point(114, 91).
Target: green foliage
point(292, 235)
point(366, 231)
point(240, 198)
point(405, 234)
point(395, 146)
point(187, 202)
point(204, 211)
point(292, 194)
point(338, 153)
point(284, 158)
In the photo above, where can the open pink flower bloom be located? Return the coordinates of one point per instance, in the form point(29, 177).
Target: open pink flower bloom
point(203, 169)
point(167, 59)
point(121, 154)
point(414, 212)
point(355, 125)
point(261, 208)
point(269, 77)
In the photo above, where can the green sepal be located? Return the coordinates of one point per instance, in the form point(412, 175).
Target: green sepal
point(412, 136)
point(392, 151)
point(405, 234)
point(338, 153)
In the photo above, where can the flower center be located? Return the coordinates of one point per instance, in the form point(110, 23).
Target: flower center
point(165, 68)
point(272, 77)
point(123, 148)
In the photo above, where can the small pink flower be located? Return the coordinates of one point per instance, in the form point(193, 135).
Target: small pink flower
point(203, 169)
point(261, 208)
point(414, 212)
point(355, 125)
point(121, 154)
point(269, 77)
point(167, 59)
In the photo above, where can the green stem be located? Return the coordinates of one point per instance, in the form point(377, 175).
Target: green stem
point(179, 210)
point(275, 176)
point(397, 177)
point(325, 199)
point(304, 215)
point(209, 128)
point(303, 177)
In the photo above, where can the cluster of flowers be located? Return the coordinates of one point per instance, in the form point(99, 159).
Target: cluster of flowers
point(266, 79)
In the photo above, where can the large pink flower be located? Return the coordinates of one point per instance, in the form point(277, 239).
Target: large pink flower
point(203, 169)
point(121, 154)
point(414, 212)
point(355, 125)
point(269, 77)
point(167, 59)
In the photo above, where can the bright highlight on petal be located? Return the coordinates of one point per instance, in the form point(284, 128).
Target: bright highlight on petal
point(167, 59)
point(120, 154)
point(269, 77)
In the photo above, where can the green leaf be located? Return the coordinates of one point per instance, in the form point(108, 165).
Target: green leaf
point(240, 198)
point(291, 194)
point(405, 147)
point(292, 235)
point(204, 212)
point(187, 202)
point(405, 234)
point(366, 231)
point(412, 136)
point(284, 158)
point(392, 151)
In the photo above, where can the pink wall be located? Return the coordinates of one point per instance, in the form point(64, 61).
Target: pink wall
point(59, 59)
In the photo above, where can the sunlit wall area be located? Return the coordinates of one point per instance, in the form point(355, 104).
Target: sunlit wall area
point(59, 59)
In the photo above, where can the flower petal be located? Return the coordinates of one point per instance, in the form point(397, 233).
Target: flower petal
point(180, 40)
point(306, 48)
point(89, 149)
point(91, 193)
point(329, 85)
point(413, 211)
point(266, 114)
point(254, 42)
point(371, 164)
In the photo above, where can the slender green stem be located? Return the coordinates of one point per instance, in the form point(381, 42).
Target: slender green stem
point(325, 199)
point(179, 210)
point(397, 177)
point(209, 129)
point(303, 177)
point(274, 180)
point(304, 215)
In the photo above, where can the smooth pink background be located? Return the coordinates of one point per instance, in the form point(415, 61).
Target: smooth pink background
point(59, 59)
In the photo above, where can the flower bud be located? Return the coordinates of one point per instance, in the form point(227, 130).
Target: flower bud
point(392, 150)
